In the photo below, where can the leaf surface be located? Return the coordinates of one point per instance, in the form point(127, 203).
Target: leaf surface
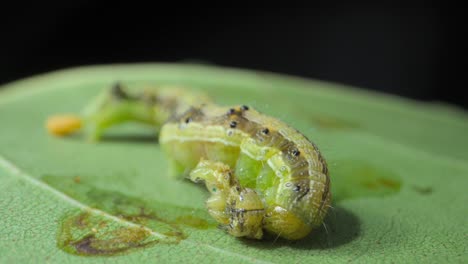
point(399, 173)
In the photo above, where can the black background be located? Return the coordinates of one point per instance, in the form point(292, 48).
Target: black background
point(404, 51)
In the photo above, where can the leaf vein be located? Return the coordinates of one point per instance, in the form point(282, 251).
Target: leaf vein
point(15, 171)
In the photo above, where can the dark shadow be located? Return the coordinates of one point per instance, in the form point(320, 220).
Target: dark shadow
point(131, 138)
point(342, 227)
point(146, 138)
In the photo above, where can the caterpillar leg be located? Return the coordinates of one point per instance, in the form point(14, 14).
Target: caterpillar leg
point(239, 210)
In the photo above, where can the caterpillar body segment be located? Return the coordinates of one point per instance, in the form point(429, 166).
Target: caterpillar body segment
point(115, 106)
point(239, 210)
point(149, 106)
point(264, 156)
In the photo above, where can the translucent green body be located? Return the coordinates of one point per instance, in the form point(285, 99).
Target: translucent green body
point(280, 168)
point(150, 106)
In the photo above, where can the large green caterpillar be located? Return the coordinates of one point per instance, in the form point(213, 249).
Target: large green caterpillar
point(262, 174)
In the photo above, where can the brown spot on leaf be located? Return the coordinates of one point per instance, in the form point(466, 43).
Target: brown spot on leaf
point(392, 184)
point(354, 179)
point(423, 190)
point(83, 234)
point(86, 233)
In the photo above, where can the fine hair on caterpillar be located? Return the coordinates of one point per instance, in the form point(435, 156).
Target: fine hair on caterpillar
point(263, 175)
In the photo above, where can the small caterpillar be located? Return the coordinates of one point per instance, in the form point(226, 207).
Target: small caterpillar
point(263, 175)
point(151, 106)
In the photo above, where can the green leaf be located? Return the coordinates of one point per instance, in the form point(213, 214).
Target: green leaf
point(399, 173)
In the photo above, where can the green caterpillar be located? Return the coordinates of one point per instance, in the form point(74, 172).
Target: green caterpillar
point(151, 106)
point(263, 175)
